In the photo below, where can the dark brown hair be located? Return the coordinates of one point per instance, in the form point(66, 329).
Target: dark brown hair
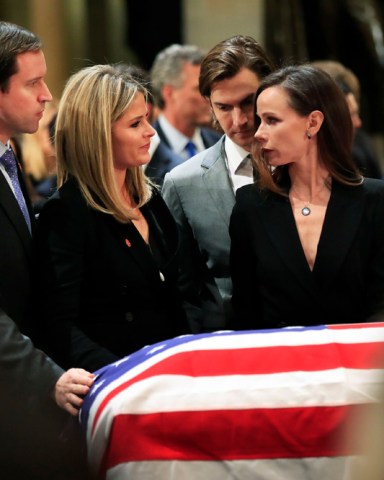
point(228, 57)
point(14, 40)
point(308, 89)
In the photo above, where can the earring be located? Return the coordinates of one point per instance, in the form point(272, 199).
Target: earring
point(309, 136)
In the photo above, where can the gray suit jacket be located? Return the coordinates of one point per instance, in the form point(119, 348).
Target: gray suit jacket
point(200, 196)
point(164, 159)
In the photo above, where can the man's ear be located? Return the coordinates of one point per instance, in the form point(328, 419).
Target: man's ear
point(166, 92)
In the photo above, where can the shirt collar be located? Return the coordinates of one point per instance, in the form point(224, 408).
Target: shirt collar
point(3, 148)
point(178, 140)
point(235, 154)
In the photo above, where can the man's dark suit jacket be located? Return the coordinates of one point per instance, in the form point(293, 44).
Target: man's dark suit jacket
point(15, 254)
point(37, 438)
point(272, 283)
point(165, 159)
point(31, 424)
point(104, 294)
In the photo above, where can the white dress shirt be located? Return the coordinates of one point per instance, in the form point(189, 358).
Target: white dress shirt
point(238, 163)
point(178, 140)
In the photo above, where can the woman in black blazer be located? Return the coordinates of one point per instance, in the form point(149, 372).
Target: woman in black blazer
point(106, 243)
point(307, 240)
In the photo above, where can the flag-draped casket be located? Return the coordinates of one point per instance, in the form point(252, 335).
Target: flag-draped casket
point(271, 404)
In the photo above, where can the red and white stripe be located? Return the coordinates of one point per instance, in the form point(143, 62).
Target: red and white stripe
point(264, 405)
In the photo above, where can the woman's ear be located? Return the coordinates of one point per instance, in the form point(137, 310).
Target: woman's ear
point(315, 120)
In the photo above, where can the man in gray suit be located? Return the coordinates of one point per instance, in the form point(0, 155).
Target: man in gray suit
point(201, 192)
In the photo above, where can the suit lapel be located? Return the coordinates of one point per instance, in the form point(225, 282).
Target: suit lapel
point(160, 220)
point(341, 223)
point(279, 223)
point(12, 210)
point(217, 182)
point(162, 161)
point(137, 248)
point(27, 199)
point(161, 134)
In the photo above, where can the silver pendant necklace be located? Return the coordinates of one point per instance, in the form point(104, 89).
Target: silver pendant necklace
point(305, 211)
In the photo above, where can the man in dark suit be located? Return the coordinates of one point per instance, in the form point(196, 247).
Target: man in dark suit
point(31, 426)
point(184, 123)
point(201, 192)
point(163, 160)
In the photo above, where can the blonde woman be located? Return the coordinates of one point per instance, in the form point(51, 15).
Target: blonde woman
point(106, 243)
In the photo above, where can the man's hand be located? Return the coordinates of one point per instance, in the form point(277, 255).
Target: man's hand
point(71, 387)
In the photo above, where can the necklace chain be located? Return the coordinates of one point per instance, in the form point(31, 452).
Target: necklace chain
point(306, 210)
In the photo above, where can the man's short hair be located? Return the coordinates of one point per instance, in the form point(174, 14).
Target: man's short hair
point(14, 40)
point(228, 57)
point(167, 68)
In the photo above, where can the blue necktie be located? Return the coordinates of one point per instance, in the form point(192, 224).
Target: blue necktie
point(190, 149)
point(9, 162)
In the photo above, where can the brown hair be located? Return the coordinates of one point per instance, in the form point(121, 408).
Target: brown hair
point(308, 89)
point(14, 40)
point(228, 57)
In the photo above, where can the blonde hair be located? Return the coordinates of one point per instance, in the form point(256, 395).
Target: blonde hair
point(93, 99)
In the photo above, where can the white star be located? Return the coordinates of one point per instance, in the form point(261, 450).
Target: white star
point(155, 349)
point(96, 387)
point(119, 362)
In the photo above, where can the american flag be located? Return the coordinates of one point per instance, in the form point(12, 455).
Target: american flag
point(264, 405)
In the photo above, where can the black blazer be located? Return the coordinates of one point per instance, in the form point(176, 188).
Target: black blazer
point(165, 159)
point(15, 254)
point(272, 283)
point(32, 438)
point(19, 360)
point(103, 294)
